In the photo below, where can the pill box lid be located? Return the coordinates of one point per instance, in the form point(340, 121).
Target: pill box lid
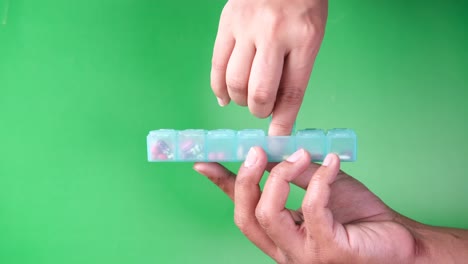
point(222, 133)
point(249, 133)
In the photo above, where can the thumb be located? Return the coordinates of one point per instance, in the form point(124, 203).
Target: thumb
point(318, 217)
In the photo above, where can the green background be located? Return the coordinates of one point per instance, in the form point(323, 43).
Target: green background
point(82, 83)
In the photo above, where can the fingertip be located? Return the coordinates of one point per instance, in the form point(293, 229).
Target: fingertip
point(307, 155)
point(218, 86)
point(198, 167)
point(260, 151)
point(208, 168)
point(274, 131)
point(223, 101)
point(278, 128)
point(330, 160)
point(261, 157)
point(296, 156)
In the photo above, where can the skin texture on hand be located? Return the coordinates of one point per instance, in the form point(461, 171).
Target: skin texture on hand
point(263, 56)
point(340, 220)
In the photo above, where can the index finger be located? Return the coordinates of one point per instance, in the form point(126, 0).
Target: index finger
point(219, 175)
point(296, 73)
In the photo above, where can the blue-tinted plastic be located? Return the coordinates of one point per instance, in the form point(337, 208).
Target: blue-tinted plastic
point(168, 145)
point(221, 145)
point(191, 145)
point(280, 148)
point(162, 145)
point(248, 138)
point(314, 141)
point(340, 140)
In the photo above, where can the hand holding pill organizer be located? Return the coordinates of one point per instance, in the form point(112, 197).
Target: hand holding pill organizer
point(225, 145)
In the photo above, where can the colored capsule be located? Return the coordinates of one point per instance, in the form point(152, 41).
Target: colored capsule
point(191, 150)
point(187, 145)
point(161, 157)
point(161, 151)
point(221, 156)
point(212, 156)
point(163, 147)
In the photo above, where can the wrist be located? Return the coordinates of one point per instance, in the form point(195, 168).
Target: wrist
point(437, 244)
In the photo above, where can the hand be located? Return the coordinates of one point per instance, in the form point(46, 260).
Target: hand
point(340, 220)
point(263, 56)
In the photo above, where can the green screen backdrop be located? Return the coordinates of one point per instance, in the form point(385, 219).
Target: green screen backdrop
point(83, 82)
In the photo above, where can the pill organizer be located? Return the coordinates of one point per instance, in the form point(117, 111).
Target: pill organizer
point(225, 145)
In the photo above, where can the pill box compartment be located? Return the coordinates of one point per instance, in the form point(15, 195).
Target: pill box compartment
point(162, 145)
point(313, 141)
point(342, 141)
point(279, 148)
point(248, 138)
point(191, 145)
point(221, 145)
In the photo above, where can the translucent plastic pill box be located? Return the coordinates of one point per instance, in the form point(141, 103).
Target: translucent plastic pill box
point(225, 145)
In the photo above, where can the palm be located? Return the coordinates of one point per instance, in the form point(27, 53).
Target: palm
point(368, 224)
point(361, 222)
point(351, 201)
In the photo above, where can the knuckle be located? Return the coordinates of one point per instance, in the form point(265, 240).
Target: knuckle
point(218, 181)
point(236, 86)
point(221, 183)
point(262, 97)
point(274, 21)
point(291, 95)
point(309, 31)
point(307, 35)
point(227, 9)
point(263, 216)
point(323, 255)
point(278, 171)
point(240, 221)
point(243, 181)
point(217, 65)
point(227, 13)
point(273, 16)
point(282, 258)
point(307, 207)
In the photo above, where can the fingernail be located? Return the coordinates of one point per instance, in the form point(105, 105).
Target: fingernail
point(327, 160)
point(195, 167)
point(251, 158)
point(220, 102)
point(296, 156)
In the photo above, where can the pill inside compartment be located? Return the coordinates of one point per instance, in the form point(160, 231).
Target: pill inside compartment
point(313, 141)
point(221, 145)
point(191, 145)
point(161, 145)
point(342, 141)
point(248, 138)
point(279, 148)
